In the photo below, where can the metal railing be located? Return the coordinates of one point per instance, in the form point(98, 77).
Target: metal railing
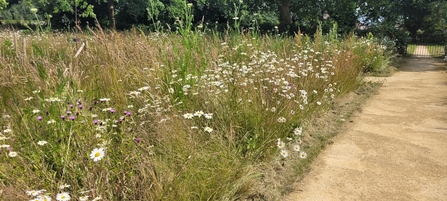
point(426, 50)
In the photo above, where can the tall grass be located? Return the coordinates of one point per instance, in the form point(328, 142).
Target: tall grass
point(179, 117)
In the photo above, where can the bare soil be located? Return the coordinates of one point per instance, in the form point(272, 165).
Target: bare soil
point(395, 148)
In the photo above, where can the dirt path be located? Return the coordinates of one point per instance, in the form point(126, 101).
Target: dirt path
point(395, 149)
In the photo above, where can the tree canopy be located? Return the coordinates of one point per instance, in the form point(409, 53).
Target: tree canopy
point(418, 18)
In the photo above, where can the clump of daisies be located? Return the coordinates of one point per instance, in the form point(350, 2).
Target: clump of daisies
point(200, 115)
point(296, 146)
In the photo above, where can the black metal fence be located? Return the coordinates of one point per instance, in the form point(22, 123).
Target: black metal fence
point(426, 50)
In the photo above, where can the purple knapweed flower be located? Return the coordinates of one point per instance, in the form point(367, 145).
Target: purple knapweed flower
point(80, 107)
point(112, 110)
point(137, 140)
point(95, 121)
point(63, 117)
point(72, 118)
point(39, 118)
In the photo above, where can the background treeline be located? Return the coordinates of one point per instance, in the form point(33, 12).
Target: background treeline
point(404, 20)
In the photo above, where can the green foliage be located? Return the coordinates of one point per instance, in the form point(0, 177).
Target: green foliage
point(179, 117)
point(3, 4)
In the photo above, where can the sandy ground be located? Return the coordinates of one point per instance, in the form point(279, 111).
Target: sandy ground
point(394, 149)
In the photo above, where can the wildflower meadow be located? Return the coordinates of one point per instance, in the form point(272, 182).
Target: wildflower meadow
point(165, 116)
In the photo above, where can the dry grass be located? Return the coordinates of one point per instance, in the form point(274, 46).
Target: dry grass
point(131, 94)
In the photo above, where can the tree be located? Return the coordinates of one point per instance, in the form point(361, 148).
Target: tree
point(437, 19)
point(3, 4)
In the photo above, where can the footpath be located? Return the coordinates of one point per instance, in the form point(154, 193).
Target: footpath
point(394, 149)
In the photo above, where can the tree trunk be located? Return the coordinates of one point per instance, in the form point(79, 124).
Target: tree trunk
point(111, 13)
point(285, 17)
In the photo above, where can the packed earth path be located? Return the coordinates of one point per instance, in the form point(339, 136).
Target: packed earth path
point(395, 148)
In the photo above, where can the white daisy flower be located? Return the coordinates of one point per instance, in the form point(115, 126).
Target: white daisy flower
point(298, 131)
point(208, 116)
point(83, 198)
point(36, 111)
point(42, 142)
point(63, 196)
point(281, 120)
point(303, 154)
point(97, 154)
point(284, 153)
point(208, 129)
point(281, 144)
point(297, 147)
point(63, 186)
point(44, 198)
point(144, 88)
point(12, 154)
point(97, 198)
point(188, 116)
point(34, 192)
point(199, 113)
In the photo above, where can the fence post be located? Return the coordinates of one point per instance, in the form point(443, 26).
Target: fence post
point(445, 52)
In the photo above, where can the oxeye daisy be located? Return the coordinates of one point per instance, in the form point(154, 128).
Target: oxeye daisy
point(97, 198)
point(281, 144)
point(284, 153)
point(297, 147)
point(34, 192)
point(63, 196)
point(44, 198)
point(188, 116)
point(83, 198)
point(63, 186)
point(281, 120)
point(199, 113)
point(97, 154)
point(12, 154)
point(208, 129)
point(209, 116)
point(303, 154)
point(42, 142)
point(299, 141)
point(298, 131)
